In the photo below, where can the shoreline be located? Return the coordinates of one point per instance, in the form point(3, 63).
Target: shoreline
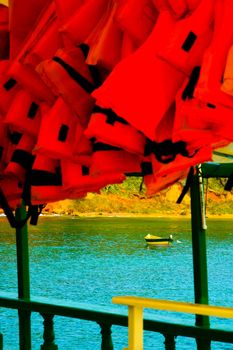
point(130, 215)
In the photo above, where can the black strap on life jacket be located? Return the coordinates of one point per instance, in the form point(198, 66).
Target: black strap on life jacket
point(111, 116)
point(22, 157)
point(166, 151)
point(15, 137)
point(82, 81)
point(189, 89)
point(146, 168)
point(100, 146)
point(187, 185)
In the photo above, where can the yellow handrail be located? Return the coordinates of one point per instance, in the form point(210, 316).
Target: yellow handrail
point(137, 304)
point(4, 2)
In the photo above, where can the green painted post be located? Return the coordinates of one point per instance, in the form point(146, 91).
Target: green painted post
point(49, 336)
point(169, 342)
point(106, 334)
point(1, 341)
point(23, 279)
point(199, 252)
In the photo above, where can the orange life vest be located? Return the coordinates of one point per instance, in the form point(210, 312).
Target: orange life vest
point(77, 178)
point(70, 77)
point(168, 156)
point(24, 114)
point(208, 87)
point(227, 84)
point(12, 189)
point(45, 183)
point(108, 159)
point(155, 185)
point(22, 21)
point(57, 132)
point(128, 45)
point(190, 123)
point(105, 41)
point(41, 44)
point(130, 90)
point(65, 9)
point(109, 128)
point(5, 151)
point(84, 20)
point(82, 147)
point(136, 19)
point(8, 88)
point(29, 79)
point(189, 38)
point(22, 158)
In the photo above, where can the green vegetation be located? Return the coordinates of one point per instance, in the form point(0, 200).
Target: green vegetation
point(129, 198)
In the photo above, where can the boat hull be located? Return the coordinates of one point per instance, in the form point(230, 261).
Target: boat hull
point(158, 241)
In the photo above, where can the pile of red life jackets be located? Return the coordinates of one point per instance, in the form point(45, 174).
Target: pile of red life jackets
point(92, 90)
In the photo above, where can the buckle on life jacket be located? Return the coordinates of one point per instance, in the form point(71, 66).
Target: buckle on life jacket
point(166, 151)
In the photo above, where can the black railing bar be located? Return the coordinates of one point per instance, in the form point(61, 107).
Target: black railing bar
point(114, 317)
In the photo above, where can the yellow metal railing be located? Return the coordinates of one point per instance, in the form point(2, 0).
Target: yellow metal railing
point(137, 304)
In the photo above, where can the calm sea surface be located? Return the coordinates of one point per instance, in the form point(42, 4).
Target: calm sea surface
point(93, 259)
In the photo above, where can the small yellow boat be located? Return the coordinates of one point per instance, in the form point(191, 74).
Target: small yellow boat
point(152, 240)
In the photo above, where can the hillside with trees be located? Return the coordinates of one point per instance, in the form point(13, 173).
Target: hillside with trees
point(129, 198)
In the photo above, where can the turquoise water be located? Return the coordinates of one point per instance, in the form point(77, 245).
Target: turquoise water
point(94, 259)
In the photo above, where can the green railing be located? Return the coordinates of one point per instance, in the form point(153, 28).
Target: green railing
point(202, 332)
point(106, 318)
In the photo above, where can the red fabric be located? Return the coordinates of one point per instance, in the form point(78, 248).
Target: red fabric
point(21, 116)
point(135, 83)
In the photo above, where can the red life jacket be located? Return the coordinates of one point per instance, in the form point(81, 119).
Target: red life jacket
point(227, 84)
point(130, 90)
point(70, 77)
point(179, 7)
point(192, 4)
point(24, 114)
point(128, 45)
point(8, 88)
point(42, 43)
point(45, 184)
point(65, 9)
point(108, 159)
point(22, 158)
point(155, 185)
point(168, 156)
point(105, 41)
point(109, 128)
point(29, 79)
point(77, 178)
point(4, 32)
point(84, 20)
point(191, 124)
point(198, 122)
point(136, 19)
point(12, 189)
point(208, 87)
point(189, 38)
point(22, 21)
point(5, 146)
point(57, 132)
point(82, 148)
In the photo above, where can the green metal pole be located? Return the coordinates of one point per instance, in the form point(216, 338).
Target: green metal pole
point(199, 252)
point(23, 279)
